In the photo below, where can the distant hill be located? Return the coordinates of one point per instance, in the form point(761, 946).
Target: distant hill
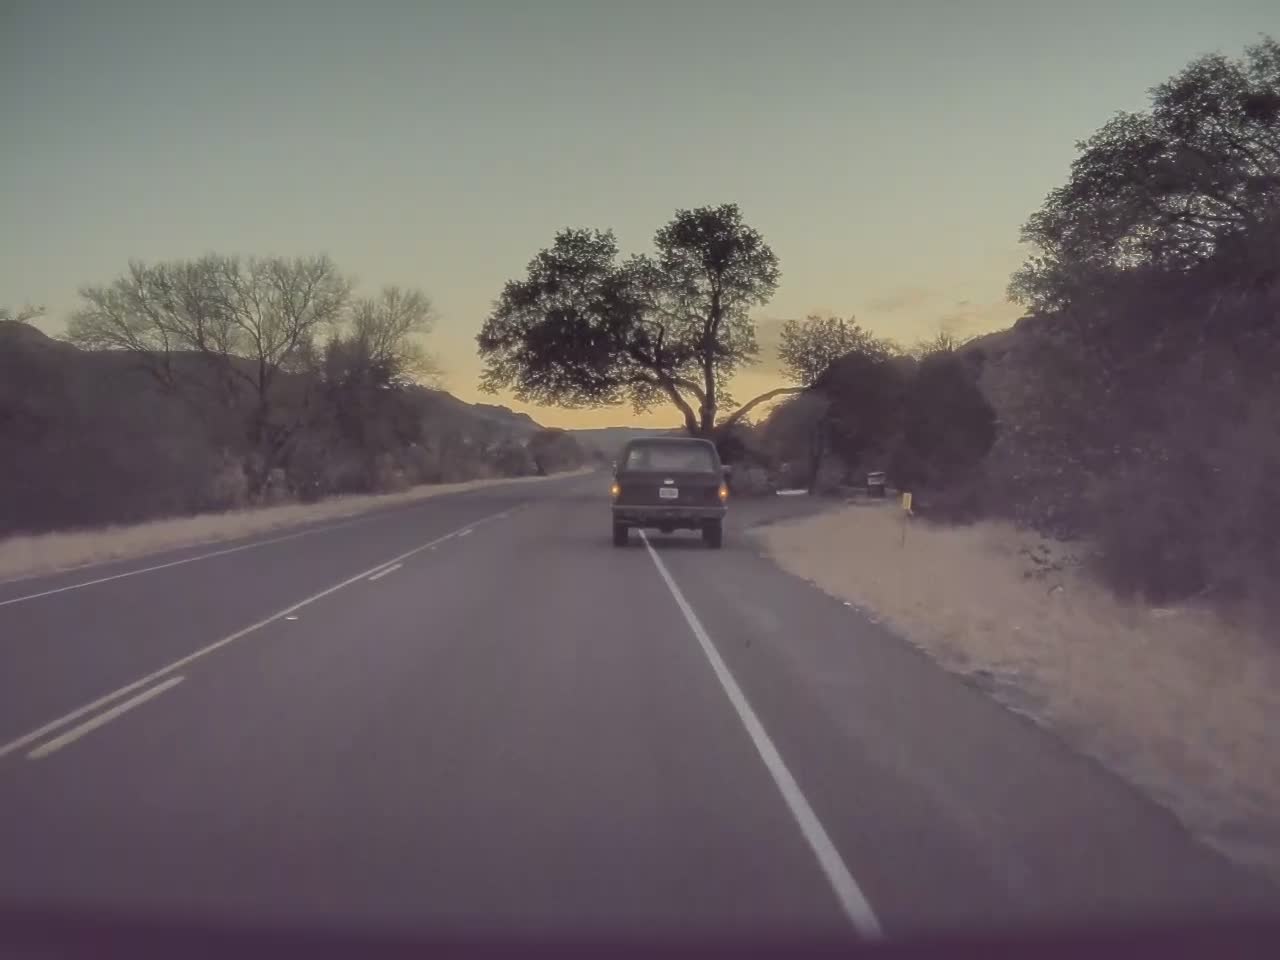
point(504, 418)
point(610, 440)
point(94, 440)
point(997, 344)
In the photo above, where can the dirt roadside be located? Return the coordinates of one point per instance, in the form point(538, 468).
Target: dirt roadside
point(25, 556)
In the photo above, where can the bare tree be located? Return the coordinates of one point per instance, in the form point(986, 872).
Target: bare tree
point(231, 325)
point(367, 376)
point(811, 345)
point(23, 314)
point(944, 341)
point(387, 330)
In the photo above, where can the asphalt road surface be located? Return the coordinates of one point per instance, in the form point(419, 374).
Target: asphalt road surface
point(476, 714)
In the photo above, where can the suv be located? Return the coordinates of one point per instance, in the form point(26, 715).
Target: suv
point(669, 483)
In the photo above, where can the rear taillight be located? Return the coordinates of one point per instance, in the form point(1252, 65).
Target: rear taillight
point(724, 492)
point(614, 490)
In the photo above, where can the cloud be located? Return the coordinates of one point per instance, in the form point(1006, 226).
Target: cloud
point(769, 332)
point(900, 299)
point(971, 319)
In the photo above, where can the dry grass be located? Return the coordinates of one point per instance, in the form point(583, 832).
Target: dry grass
point(1182, 704)
point(30, 555)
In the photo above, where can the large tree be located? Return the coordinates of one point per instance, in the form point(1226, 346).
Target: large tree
point(1164, 187)
point(584, 329)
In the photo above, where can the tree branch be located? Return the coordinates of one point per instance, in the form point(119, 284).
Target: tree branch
point(747, 407)
point(692, 387)
point(668, 386)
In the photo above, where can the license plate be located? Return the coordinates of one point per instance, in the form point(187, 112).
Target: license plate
point(668, 493)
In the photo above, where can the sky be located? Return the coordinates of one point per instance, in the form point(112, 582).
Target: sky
point(888, 151)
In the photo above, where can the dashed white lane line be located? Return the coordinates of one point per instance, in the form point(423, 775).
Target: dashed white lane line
point(465, 533)
point(852, 900)
point(385, 570)
point(178, 664)
point(364, 518)
point(75, 733)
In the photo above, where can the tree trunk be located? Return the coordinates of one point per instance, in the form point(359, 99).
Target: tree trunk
point(817, 449)
point(256, 473)
point(707, 426)
point(711, 329)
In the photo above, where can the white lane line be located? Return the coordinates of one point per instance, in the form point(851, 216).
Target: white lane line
point(465, 533)
point(361, 518)
point(852, 900)
point(178, 664)
point(385, 570)
point(75, 733)
point(173, 563)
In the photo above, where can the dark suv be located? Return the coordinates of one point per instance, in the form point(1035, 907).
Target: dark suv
point(669, 483)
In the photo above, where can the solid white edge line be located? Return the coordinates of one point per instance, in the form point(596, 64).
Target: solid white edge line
point(79, 712)
point(75, 733)
point(850, 896)
point(173, 563)
point(385, 570)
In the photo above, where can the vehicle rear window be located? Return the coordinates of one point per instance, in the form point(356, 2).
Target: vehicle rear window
point(686, 457)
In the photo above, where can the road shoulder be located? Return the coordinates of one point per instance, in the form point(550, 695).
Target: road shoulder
point(1181, 707)
point(73, 552)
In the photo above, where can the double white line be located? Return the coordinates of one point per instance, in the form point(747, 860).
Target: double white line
point(75, 733)
point(168, 672)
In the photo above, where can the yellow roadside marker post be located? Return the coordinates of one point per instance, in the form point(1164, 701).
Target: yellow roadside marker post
point(906, 516)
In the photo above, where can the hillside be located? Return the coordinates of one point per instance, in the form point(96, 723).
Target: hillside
point(608, 441)
point(503, 418)
point(95, 440)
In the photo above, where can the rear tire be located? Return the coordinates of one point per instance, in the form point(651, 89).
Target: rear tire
point(713, 534)
point(620, 534)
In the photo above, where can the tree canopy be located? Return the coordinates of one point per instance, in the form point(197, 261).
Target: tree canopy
point(1139, 405)
point(584, 328)
point(1163, 187)
point(811, 345)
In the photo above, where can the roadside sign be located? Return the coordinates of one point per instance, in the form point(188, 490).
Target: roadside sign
point(906, 502)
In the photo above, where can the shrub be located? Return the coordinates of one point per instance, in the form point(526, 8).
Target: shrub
point(948, 426)
point(228, 488)
point(554, 450)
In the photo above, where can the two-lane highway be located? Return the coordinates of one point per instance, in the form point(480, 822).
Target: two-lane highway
point(475, 713)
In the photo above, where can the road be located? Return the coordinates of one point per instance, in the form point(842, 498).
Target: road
point(474, 713)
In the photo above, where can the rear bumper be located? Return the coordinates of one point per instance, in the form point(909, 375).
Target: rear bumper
point(686, 516)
